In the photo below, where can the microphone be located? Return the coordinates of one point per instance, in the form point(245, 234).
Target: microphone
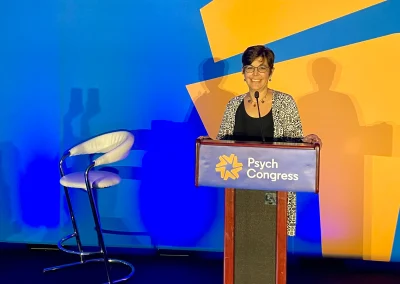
point(257, 95)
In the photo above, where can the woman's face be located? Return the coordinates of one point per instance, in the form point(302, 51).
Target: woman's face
point(257, 74)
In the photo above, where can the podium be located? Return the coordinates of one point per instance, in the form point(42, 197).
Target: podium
point(255, 230)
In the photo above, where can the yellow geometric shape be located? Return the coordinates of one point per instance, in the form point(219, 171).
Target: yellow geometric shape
point(382, 203)
point(348, 96)
point(235, 172)
point(233, 25)
point(211, 97)
point(221, 170)
point(231, 160)
point(222, 162)
point(396, 137)
point(229, 175)
point(235, 163)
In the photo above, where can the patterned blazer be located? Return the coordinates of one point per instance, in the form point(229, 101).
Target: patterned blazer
point(287, 124)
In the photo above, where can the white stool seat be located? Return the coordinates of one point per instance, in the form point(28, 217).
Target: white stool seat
point(98, 179)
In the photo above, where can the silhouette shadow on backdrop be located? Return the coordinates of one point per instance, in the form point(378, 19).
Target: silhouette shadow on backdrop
point(27, 195)
point(333, 116)
point(10, 211)
point(212, 103)
point(82, 111)
point(174, 211)
point(39, 195)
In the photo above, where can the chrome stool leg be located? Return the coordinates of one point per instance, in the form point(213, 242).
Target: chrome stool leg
point(98, 228)
point(74, 225)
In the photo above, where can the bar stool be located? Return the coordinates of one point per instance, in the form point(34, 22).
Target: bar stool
point(114, 146)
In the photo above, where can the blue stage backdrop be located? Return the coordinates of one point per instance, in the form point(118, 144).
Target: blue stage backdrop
point(70, 70)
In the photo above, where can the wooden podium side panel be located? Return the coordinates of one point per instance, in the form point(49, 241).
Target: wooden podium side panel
point(281, 238)
point(229, 238)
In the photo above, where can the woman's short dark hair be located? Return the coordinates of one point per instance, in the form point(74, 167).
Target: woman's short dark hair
point(252, 52)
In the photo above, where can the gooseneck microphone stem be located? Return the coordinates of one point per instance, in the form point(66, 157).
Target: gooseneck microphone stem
point(257, 95)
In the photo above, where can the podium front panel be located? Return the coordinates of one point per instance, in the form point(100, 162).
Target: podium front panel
point(255, 238)
point(258, 168)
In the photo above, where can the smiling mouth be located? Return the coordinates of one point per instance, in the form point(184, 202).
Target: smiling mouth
point(253, 80)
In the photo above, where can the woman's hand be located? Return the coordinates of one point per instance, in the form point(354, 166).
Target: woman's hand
point(312, 139)
point(203, 137)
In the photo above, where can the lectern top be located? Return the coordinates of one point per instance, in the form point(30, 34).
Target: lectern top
point(294, 143)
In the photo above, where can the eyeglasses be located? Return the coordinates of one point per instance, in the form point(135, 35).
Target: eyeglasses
point(251, 68)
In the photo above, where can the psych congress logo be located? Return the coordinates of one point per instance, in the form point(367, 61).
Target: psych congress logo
point(228, 167)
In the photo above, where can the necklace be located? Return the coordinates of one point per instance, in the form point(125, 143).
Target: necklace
point(250, 100)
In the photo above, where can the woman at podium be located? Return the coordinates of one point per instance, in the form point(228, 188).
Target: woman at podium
point(263, 114)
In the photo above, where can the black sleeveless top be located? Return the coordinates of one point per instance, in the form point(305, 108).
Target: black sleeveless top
point(248, 128)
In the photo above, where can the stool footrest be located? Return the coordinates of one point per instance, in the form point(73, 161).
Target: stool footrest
point(81, 253)
point(111, 260)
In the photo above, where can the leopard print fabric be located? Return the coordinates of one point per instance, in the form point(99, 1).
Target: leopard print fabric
point(287, 124)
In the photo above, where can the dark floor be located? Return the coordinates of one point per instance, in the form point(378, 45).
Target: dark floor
point(20, 266)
